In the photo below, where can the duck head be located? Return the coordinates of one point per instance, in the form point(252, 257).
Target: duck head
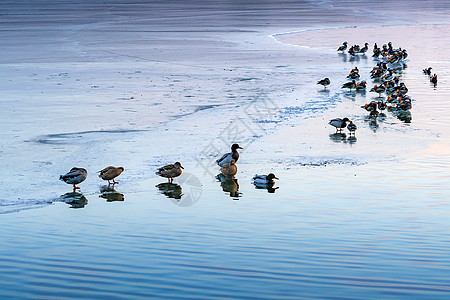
point(234, 147)
point(178, 165)
point(271, 176)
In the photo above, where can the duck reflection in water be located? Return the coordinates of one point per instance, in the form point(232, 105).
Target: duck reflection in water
point(74, 199)
point(229, 185)
point(343, 138)
point(171, 190)
point(110, 194)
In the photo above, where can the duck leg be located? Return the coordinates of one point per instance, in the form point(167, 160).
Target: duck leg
point(75, 188)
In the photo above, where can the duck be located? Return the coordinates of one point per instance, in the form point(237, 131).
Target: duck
point(361, 85)
point(170, 171)
point(109, 173)
point(351, 127)
point(229, 170)
point(227, 157)
point(74, 176)
point(433, 80)
point(427, 71)
point(353, 75)
point(324, 82)
point(264, 179)
point(343, 46)
point(382, 105)
point(339, 123)
point(378, 89)
point(349, 85)
point(365, 48)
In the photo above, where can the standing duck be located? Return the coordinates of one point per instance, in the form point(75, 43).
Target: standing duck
point(109, 173)
point(364, 49)
point(74, 176)
point(339, 123)
point(324, 82)
point(229, 170)
point(227, 157)
point(351, 127)
point(342, 47)
point(170, 171)
point(264, 179)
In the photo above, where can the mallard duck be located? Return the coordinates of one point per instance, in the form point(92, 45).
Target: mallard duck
point(109, 173)
point(74, 176)
point(264, 179)
point(339, 123)
point(378, 89)
point(324, 82)
point(170, 171)
point(229, 170)
point(227, 157)
point(342, 47)
point(351, 127)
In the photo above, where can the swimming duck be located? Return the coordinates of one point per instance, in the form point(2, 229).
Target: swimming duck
point(427, 71)
point(170, 171)
point(342, 47)
point(339, 123)
point(229, 170)
point(349, 85)
point(74, 176)
point(324, 82)
point(227, 157)
point(264, 179)
point(109, 173)
point(351, 127)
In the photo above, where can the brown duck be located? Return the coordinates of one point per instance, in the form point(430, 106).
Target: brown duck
point(109, 173)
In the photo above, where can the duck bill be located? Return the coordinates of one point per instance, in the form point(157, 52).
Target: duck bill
point(276, 178)
point(240, 147)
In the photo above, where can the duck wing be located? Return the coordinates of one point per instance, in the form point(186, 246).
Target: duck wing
point(225, 159)
point(74, 176)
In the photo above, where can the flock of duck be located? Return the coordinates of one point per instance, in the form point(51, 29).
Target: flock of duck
point(386, 76)
point(227, 164)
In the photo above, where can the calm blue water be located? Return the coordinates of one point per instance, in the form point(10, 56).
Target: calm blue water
point(350, 218)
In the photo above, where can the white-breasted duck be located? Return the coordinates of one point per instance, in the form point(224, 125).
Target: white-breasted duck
point(339, 123)
point(227, 157)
